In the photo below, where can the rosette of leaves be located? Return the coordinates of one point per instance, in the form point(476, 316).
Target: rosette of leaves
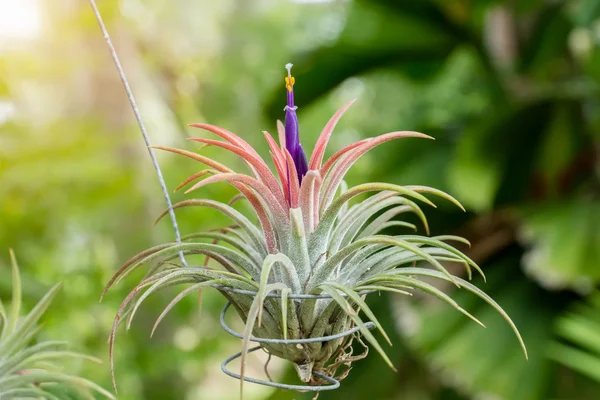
point(29, 369)
point(307, 239)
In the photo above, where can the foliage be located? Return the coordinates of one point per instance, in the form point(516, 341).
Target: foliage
point(579, 347)
point(309, 241)
point(32, 370)
point(525, 162)
point(509, 89)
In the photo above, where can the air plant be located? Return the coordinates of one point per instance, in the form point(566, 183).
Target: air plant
point(307, 240)
point(32, 370)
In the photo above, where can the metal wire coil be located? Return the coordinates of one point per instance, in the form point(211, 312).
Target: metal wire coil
point(302, 388)
point(334, 383)
point(369, 325)
point(299, 296)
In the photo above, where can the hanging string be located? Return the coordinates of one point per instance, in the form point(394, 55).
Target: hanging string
point(140, 123)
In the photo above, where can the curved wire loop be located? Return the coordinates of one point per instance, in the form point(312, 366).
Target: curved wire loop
point(369, 325)
point(334, 383)
point(299, 296)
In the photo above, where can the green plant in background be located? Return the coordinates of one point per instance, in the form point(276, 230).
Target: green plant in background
point(308, 241)
point(519, 122)
point(579, 334)
point(509, 89)
point(33, 370)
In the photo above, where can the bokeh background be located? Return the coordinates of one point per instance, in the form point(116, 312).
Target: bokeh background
point(510, 90)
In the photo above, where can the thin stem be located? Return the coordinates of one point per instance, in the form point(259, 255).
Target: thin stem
point(140, 123)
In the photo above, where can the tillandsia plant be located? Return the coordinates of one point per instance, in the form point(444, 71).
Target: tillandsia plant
point(32, 371)
point(307, 240)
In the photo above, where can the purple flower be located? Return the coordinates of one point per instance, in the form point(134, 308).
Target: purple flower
point(292, 138)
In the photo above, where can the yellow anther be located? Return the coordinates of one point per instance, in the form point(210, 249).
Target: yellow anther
point(289, 83)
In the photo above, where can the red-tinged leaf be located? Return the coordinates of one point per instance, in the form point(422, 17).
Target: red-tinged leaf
point(279, 157)
point(310, 185)
point(338, 172)
point(235, 199)
point(260, 188)
point(132, 260)
point(282, 172)
point(194, 156)
point(336, 156)
point(281, 134)
point(241, 221)
point(229, 136)
point(317, 203)
point(228, 265)
point(317, 156)
point(195, 176)
point(111, 352)
point(207, 259)
point(263, 218)
point(263, 171)
point(225, 229)
point(280, 165)
point(293, 183)
point(113, 331)
point(177, 299)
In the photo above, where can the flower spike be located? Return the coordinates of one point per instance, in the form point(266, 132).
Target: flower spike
point(292, 137)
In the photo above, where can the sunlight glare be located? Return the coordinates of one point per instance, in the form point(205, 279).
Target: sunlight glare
point(19, 20)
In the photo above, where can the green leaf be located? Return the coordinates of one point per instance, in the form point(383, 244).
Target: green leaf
point(9, 365)
point(495, 157)
point(478, 361)
point(352, 295)
point(27, 393)
point(471, 288)
point(586, 12)
point(546, 51)
point(238, 259)
point(254, 311)
point(181, 295)
point(325, 271)
point(576, 359)
point(563, 243)
point(564, 147)
point(15, 308)
point(345, 306)
point(423, 286)
point(16, 381)
point(28, 322)
point(3, 321)
point(579, 331)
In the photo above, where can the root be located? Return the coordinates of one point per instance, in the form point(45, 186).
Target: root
point(266, 366)
point(343, 358)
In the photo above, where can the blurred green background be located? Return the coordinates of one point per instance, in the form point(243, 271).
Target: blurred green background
point(510, 90)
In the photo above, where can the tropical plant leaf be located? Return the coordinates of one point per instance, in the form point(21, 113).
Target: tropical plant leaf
point(487, 169)
point(501, 370)
point(26, 368)
point(563, 243)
